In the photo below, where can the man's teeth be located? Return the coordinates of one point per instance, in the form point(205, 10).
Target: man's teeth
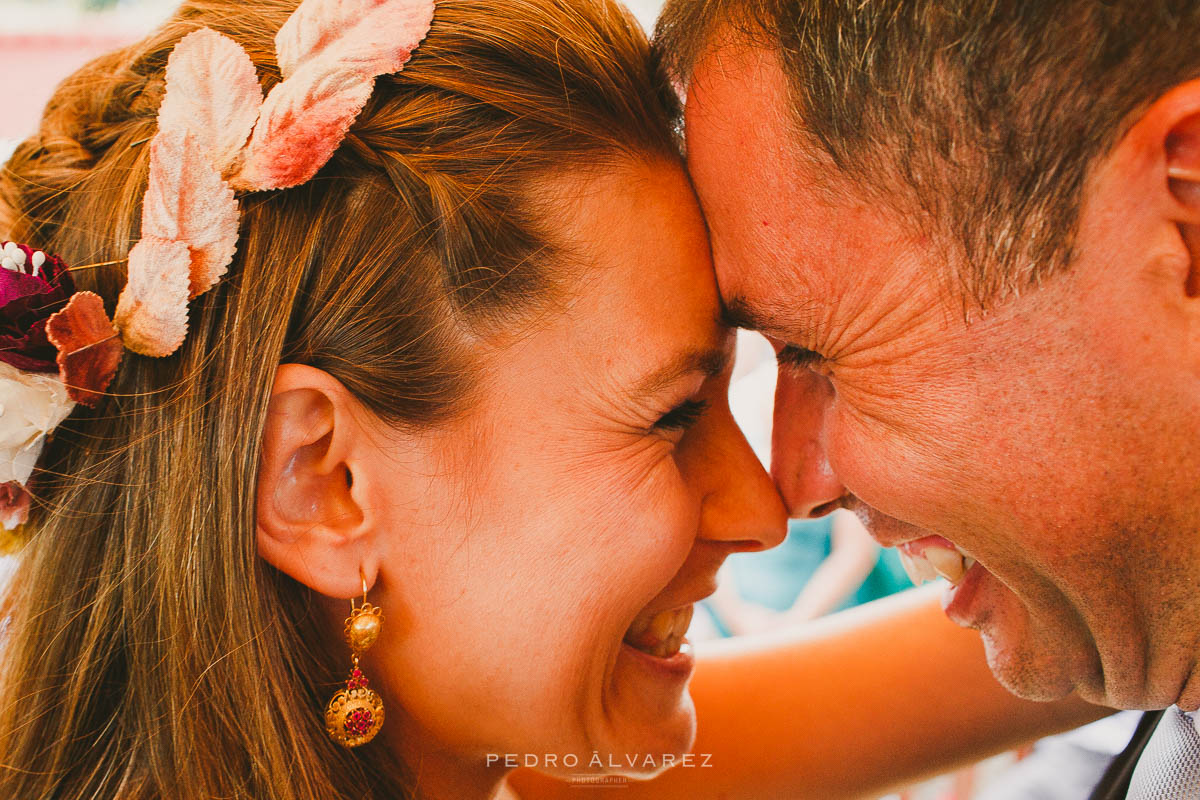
point(660, 634)
point(936, 562)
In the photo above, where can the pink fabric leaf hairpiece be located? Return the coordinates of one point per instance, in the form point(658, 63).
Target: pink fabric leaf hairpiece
point(215, 134)
point(330, 52)
point(187, 201)
point(213, 92)
point(189, 215)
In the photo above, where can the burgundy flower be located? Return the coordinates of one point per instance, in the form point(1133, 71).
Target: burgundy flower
point(14, 506)
point(33, 285)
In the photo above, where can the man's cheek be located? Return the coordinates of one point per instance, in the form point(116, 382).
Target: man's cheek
point(886, 472)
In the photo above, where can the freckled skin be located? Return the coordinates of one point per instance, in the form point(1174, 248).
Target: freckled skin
point(1052, 438)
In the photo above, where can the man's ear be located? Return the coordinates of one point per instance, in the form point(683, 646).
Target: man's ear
point(1170, 131)
point(1183, 171)
point(312, 521)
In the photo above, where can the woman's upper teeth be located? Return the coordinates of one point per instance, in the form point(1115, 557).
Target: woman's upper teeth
point(934, 561)
point(662, 631)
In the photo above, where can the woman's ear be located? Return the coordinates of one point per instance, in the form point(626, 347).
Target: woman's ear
point(312, 521)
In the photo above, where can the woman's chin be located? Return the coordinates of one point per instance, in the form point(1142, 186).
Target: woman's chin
point(650, 686)
point(651, 753)
point(673, 735)
point(633, 746)
point(649, 714)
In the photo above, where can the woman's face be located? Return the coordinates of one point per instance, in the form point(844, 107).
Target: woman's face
point(600, 484)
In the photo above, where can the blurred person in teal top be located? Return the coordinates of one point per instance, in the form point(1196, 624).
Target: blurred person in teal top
point(824, 565)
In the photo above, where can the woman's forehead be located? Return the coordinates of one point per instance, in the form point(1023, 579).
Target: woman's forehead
point(641, 308)
point(647, 281)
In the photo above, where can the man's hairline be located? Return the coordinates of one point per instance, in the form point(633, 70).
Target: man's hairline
point(876, 185)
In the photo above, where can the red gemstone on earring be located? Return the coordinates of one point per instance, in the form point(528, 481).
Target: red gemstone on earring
point(358, 722)
point(357, 680)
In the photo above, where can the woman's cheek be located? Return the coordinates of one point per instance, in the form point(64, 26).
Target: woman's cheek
point(659, 516)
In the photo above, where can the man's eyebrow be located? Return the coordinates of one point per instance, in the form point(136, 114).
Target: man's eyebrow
point(780, 322)
point(737, 313)
point(709, 363)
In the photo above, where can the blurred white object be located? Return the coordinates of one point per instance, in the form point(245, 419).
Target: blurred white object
point(646, 11)
point(752, 391)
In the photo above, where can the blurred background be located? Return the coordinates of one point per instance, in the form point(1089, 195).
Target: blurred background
point(823, 566)
point(43, 41)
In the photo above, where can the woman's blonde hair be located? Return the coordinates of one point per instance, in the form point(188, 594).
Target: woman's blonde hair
point(147, 651)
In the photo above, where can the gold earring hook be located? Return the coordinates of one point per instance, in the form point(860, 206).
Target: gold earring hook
point(362, 577)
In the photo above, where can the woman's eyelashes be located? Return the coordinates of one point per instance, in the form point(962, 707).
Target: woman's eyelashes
point(683, 416)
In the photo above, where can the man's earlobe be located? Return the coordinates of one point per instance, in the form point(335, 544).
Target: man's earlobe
point(310, 524)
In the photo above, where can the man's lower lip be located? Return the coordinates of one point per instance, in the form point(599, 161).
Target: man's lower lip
point(958, 599)
point(675, 668)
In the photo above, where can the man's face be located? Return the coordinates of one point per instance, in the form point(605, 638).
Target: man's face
point(1052, 439)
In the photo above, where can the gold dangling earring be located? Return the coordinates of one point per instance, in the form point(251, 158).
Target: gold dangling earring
point(355, 714)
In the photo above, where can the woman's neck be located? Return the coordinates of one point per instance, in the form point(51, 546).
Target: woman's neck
point(506, 792)
point(443, 775)
point(439, 779)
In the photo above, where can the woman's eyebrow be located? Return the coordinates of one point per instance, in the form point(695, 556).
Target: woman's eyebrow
point(708, 362)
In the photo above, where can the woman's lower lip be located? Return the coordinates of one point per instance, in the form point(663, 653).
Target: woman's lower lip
point(676, 667)
point(958, 598)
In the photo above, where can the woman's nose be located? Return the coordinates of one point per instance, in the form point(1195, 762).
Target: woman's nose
point(741, 505)
point(799, 457)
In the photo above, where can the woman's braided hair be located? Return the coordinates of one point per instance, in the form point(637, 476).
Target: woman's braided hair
point(148, 652)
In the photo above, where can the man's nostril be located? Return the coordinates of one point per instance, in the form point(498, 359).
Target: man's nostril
point(824, 508)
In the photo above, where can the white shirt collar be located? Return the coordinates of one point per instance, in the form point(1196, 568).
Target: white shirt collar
point(1193, 716)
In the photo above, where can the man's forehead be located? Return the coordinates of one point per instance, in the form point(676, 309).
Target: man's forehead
point(799, 253)
point(732, 78)
point(738, 142)
point(802, 253)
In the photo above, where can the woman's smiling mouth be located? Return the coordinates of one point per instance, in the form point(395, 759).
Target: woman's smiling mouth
point(660, 633)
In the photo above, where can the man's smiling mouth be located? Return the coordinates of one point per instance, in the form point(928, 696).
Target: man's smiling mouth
point(933, 557)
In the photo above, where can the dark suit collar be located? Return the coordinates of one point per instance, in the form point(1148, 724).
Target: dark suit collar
point(1115, 783)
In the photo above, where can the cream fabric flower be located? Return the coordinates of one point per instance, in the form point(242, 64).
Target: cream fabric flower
point(31, 405)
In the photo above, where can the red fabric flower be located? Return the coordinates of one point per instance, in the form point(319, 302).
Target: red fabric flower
point(14, 506)
point(33, 285)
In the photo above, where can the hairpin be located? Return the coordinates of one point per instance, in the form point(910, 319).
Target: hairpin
point(216, 134)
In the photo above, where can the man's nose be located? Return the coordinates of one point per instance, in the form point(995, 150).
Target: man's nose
point(799, 456)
